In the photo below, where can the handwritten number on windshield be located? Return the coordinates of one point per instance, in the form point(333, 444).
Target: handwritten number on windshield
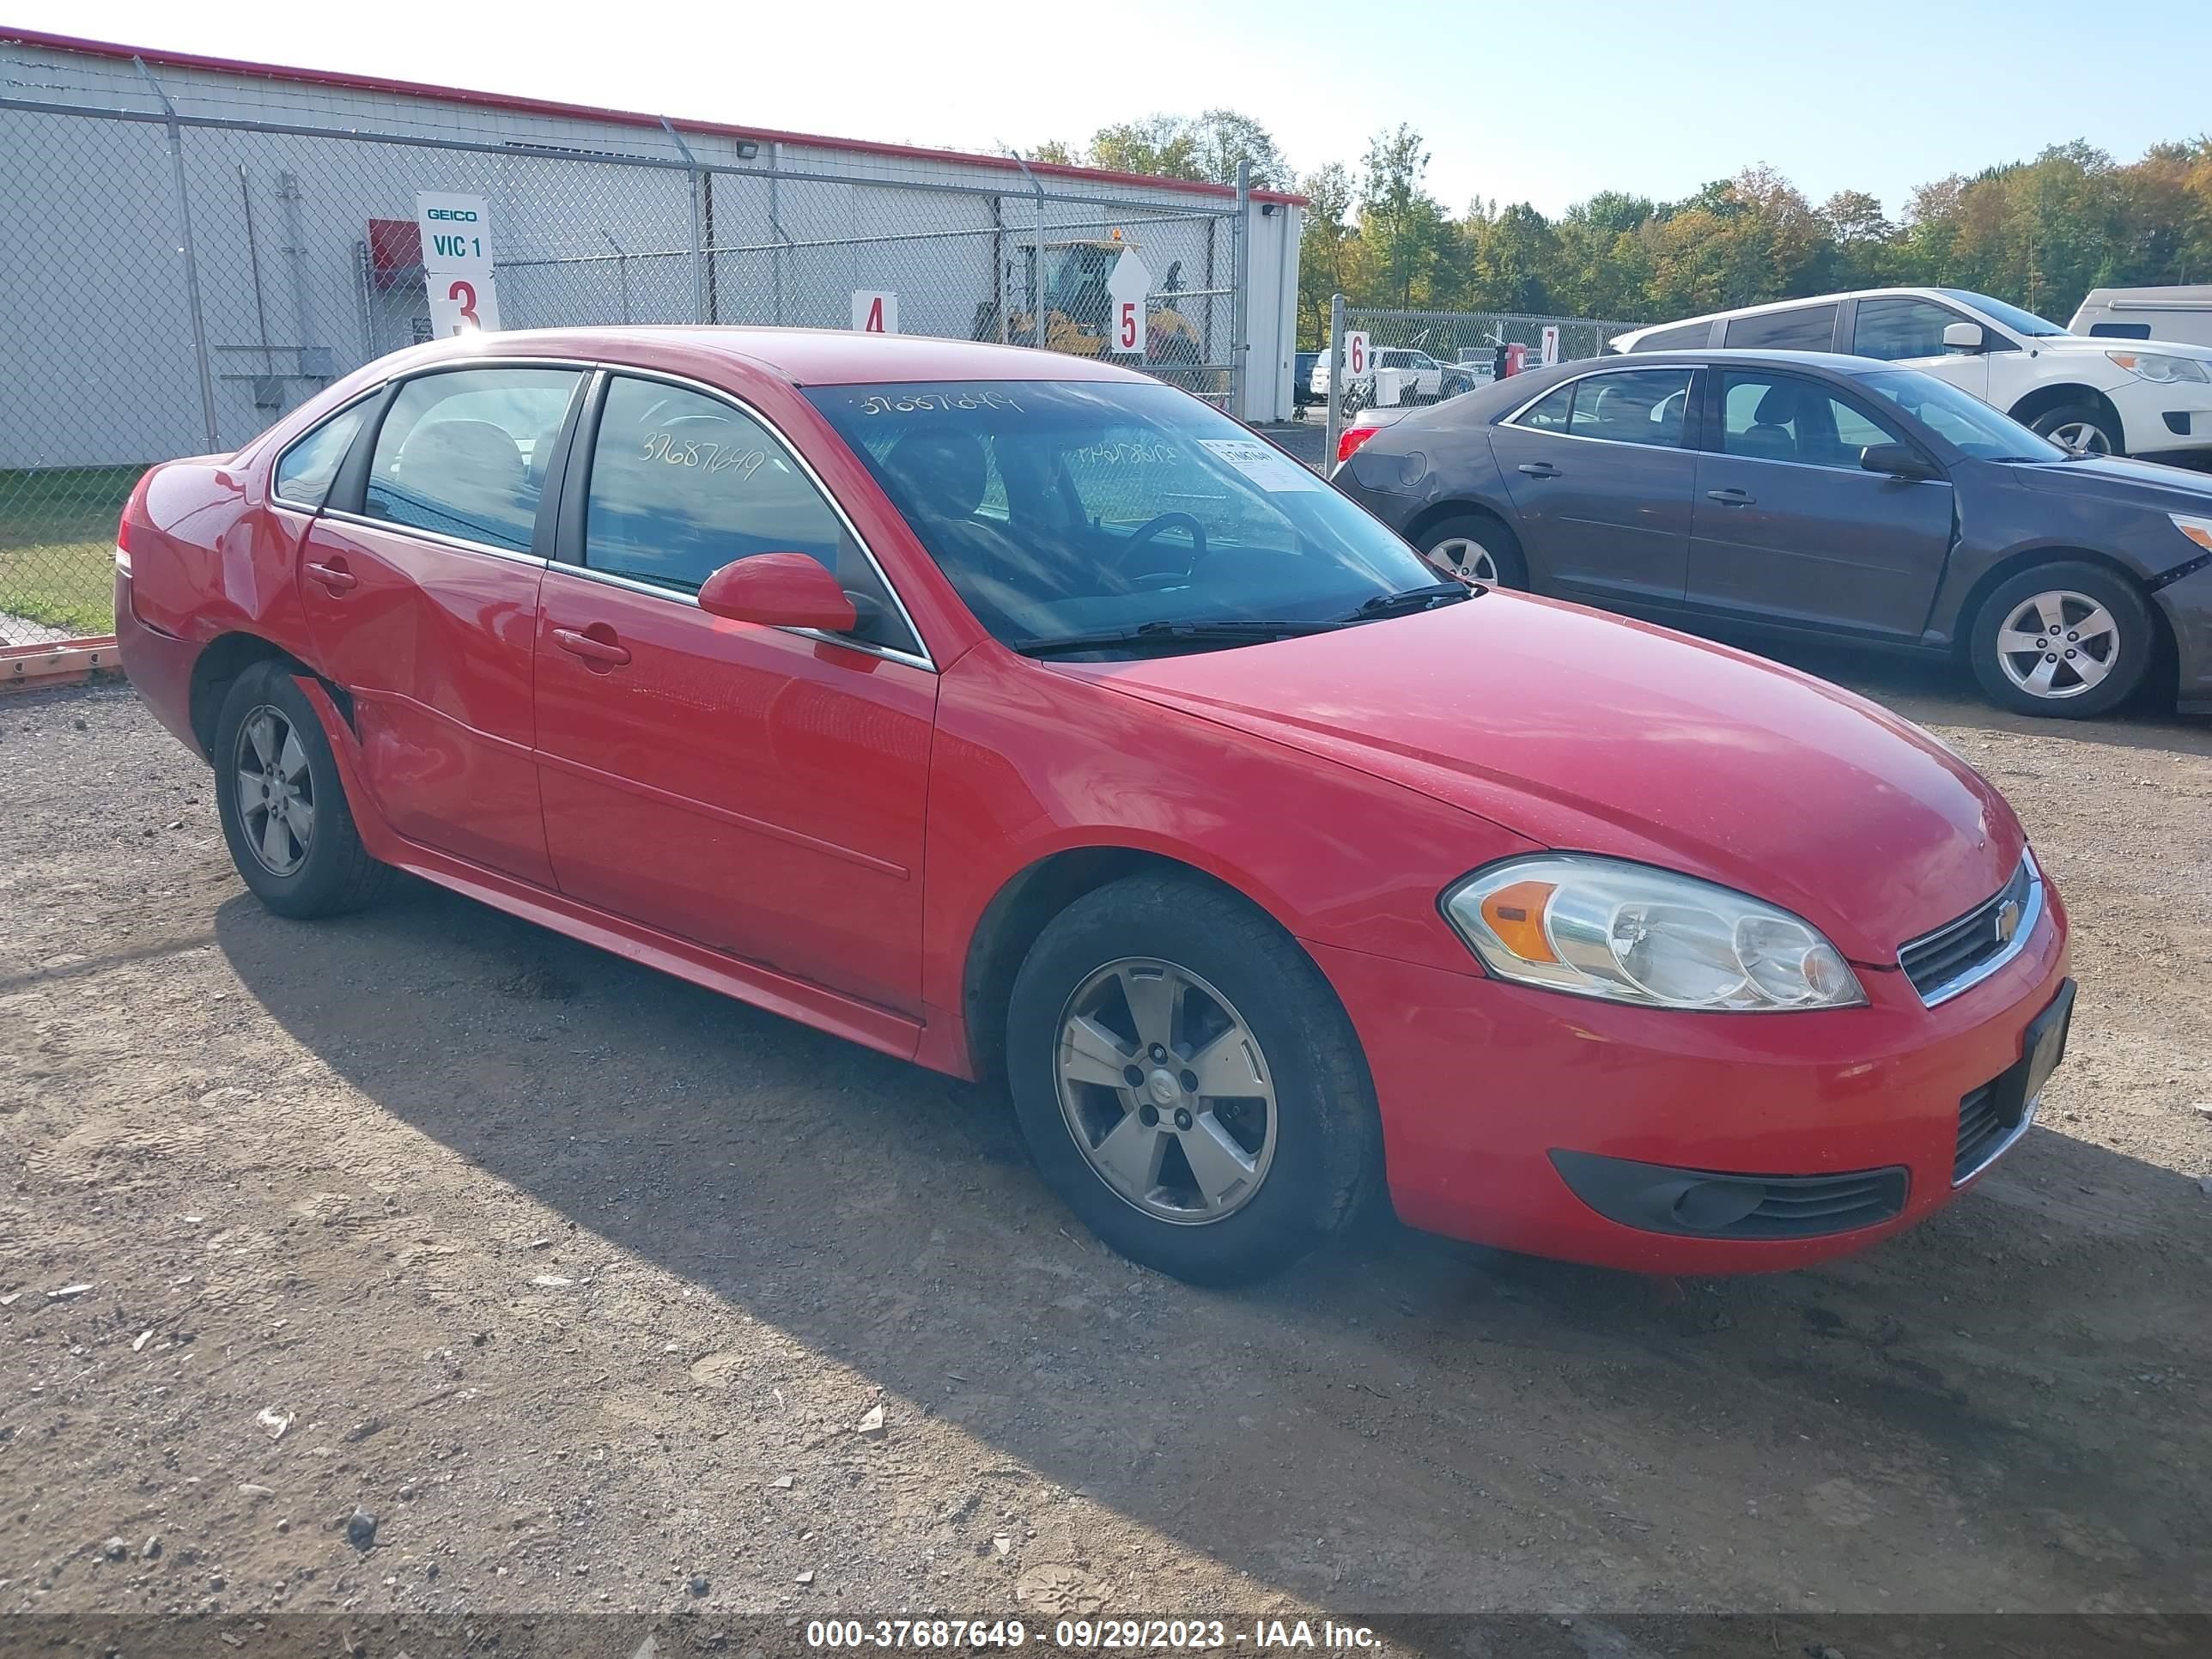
point(946, 402)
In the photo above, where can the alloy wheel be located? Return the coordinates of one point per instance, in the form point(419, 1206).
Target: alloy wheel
point(275, 791)
point(1465, 558)
point(1165, 1091)
point(2083, 436)
point(2059, 644)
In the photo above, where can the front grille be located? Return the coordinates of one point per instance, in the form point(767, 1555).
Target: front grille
point(1946, 961)
point(1804, 1207)
point(1985, 1127)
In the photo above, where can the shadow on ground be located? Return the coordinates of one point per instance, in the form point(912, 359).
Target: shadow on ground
point(2006, 1407)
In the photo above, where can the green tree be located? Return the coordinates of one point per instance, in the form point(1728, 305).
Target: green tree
point(1403, 226)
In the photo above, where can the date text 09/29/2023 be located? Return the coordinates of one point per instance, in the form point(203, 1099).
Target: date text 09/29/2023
point(1086, 1635)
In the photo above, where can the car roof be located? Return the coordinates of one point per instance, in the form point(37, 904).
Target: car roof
point(1785, 305)
point(803, 356)
point(1490, 400)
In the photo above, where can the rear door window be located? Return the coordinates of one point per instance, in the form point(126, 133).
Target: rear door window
point(1640, 407)
point(464, 454)
point(1801, 328)
point(1688, 337)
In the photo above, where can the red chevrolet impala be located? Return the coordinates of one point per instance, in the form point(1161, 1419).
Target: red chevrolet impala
point(1021, 716)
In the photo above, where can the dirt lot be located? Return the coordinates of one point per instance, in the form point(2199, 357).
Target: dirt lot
point(582, 1282)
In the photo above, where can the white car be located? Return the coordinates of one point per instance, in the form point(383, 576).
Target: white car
point(1421, 378)
point(2108, 397)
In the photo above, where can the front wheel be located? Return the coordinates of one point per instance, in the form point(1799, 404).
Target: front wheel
point(1188, 1083)
point(2066, 639)
point(2081, 427)
point(283, 810)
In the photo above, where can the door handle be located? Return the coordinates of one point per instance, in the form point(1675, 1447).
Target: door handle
point(1732, 497)
point(1539, 468)
point(334, 575)
point(605, 653)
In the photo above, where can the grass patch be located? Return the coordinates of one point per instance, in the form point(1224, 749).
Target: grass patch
point(57, 545)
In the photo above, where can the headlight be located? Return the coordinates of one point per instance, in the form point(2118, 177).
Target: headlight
point(2197, 530)
point(1603, 927)
point(2147, 366)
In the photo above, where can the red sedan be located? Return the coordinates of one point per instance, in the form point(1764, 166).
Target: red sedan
point(1023, 717)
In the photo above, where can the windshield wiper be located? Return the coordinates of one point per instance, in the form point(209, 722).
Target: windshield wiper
point(1229, 631)
point(1411, 598)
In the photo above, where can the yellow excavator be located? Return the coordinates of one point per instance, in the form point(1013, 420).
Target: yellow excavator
point(1076, 307)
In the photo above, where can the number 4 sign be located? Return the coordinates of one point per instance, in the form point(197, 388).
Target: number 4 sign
point(874, 312)
point(1127, 286)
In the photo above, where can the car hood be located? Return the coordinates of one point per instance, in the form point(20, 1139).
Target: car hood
point(2072, 344)
point(2126, 483)
point(1588, 732)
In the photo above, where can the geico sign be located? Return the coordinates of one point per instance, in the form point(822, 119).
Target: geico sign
point(465, 214)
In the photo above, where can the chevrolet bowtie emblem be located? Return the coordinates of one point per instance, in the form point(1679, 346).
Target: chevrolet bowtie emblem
point(2007, 921)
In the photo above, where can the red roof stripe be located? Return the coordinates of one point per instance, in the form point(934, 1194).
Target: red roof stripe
point(624, 117)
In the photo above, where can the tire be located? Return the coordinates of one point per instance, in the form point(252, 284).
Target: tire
point(298, 864)
point(1476, 547)
point(2090, 664)
point(1305, 1136)
point(2085, 425)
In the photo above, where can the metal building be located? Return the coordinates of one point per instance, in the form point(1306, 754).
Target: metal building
point(189, 246)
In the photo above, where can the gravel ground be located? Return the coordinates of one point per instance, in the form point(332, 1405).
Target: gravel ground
point(426, 1260)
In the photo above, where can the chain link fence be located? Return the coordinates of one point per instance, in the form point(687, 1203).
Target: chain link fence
point(178, 280)
point(1414, 357)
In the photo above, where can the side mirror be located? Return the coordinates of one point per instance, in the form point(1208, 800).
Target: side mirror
point(1897, 460)
point(779, 590)
point(1963, 337)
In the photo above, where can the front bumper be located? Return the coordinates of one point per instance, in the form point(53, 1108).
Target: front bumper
point(2158, 418)
point(2187, 604)
point(1482, 1084)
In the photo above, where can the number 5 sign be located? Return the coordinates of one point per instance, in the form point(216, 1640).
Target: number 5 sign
point(1127, 286)
point(1358, 359)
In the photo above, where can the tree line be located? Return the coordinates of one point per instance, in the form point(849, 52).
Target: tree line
point(2040, 233)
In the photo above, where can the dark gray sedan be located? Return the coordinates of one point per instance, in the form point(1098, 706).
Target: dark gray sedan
point(1812, 494)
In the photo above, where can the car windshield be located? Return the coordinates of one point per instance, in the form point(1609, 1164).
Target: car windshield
point(1977, 429)
point(1061, 509)
point(2019, 321)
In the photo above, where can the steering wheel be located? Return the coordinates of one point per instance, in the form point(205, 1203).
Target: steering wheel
point(1143, 532)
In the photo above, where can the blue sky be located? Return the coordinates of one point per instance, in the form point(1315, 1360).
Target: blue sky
point(1542, 102)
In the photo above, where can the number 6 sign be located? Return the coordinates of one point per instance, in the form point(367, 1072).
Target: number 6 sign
point(1358, 361)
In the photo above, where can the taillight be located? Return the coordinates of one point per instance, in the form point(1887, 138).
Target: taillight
point(1349, 439)
point(130, 512)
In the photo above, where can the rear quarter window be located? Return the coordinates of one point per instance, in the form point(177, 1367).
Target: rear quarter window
point(306, 470)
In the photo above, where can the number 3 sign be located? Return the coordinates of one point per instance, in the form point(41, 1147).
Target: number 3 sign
point(457, 306)
point(457, 262)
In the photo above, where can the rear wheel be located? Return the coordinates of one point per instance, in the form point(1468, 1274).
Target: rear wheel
point(283, 810)
point(1186, 1082)
point(2067, 638)
point(1476, 548)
